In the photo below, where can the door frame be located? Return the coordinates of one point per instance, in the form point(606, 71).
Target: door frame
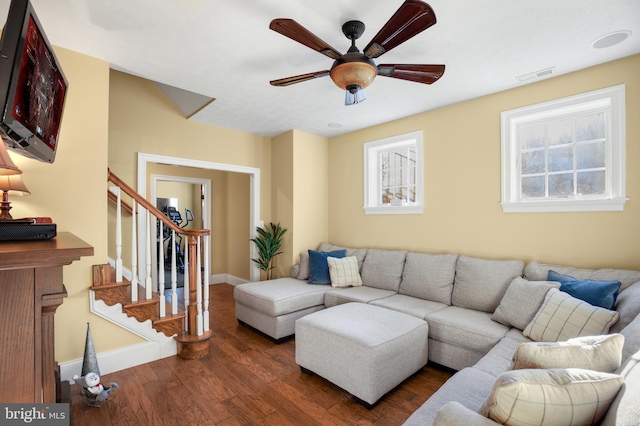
point(254, 203)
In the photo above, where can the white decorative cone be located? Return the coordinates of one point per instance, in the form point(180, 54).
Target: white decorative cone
point(90, 361)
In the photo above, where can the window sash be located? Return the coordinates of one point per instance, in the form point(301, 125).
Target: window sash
point(518, 156)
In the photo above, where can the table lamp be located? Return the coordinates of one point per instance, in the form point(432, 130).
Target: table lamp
point(10, 180)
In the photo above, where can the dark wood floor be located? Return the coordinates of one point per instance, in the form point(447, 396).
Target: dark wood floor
point(246, 380)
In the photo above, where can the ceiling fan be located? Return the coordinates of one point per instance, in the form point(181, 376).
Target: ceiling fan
point(354, 70)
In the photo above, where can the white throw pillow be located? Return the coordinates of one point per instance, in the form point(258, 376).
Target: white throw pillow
point(599, 353)
point(562, 317)
point(559, 396)
point(344, 271)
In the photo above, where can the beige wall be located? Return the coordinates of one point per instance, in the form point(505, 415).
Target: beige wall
point(143, 119)
point(462, 184)
point(72, 191)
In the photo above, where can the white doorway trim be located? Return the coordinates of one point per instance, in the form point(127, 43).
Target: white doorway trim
point(254, 205)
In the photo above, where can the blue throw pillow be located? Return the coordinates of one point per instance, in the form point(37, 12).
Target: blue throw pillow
point(318, 266)
point(597, 293)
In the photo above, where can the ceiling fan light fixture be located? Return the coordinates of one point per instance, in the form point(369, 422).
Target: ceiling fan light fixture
point(360, 71)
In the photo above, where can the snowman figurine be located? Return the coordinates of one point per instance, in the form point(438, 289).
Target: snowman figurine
point(95, 391)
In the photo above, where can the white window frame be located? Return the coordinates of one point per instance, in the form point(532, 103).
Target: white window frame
point(372, 174)
point(612, 100)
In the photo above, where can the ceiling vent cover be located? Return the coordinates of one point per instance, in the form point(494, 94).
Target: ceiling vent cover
point(536, 75)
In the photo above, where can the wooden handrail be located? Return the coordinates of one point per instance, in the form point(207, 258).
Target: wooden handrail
point(113, 197)
point(152, 209)
point(194, 342)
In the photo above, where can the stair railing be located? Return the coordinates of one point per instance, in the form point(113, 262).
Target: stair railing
point(193, 341)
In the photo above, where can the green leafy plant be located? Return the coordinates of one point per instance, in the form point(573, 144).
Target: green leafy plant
point(268, 242)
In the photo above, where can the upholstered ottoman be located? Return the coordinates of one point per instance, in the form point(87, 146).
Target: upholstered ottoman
point(364, 349)
point(273, 306)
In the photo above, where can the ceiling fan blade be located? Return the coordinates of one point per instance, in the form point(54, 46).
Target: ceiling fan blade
point(426, 74)
point(411, 18)
point(298, 78)
point(293, 30)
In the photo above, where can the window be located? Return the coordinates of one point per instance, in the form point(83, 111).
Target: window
point(565, 155)
point(393, 175)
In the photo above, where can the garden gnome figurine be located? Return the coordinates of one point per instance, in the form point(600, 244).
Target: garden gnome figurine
point(96, 393)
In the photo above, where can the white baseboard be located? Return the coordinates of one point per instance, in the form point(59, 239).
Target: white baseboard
point(226, 279)
point(115, 360)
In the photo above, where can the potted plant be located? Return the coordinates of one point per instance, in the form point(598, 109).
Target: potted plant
point(268, 242)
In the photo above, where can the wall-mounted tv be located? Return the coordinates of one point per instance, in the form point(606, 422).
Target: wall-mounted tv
point(33, 87)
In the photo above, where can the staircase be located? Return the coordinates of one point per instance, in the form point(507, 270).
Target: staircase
point(181, 313)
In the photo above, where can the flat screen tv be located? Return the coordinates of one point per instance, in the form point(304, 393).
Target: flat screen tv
point(33, 87)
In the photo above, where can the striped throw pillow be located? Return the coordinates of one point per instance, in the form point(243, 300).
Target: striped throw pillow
point(562, 317)
point(344, 271)
point(559, 396)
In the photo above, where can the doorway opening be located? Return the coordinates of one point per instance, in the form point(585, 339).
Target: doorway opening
point(145, 159)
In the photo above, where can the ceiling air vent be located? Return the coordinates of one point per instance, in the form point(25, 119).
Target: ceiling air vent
point(536, 75)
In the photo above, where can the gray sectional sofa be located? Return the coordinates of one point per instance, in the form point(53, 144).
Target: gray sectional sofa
point(478, 312)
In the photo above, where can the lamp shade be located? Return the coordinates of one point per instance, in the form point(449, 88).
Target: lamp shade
point(353, 69)
point(13, 183)
point(7, 166)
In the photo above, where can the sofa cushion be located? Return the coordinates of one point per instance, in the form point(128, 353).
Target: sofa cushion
point(595, 292)
point(562, 317)
point(631, 335)
point(628, 306)
point(551, 397)
point(538, 272)
point(303, 266)
point(362, 294)
point(344, 272)
point(383, 269)
point(429, 276)
point(625, 410)
point(476, 385)
point(500, 357)
point(481, 283)
point(359, 253)
point(409, 305)
point(280, 296)
point(318, 266)
point(600, 353)
point(465, 328)
point(521, 302)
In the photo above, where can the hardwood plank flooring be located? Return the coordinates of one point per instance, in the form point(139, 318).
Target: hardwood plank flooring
point(246, 380)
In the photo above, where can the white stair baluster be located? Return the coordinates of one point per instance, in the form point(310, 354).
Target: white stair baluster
point(205, 315)
point(199, 326)
point(185, 288)
point(160, 244)
point(148, 283)
point(118, 235)
point(174, 276)
point(134, 254)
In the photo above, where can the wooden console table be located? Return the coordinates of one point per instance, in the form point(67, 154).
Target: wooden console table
point(31, 290)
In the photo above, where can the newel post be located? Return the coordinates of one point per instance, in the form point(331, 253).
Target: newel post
point(190, 344)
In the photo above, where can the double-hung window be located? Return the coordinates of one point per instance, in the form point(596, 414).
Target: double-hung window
point(565, 155)
point(393, 173)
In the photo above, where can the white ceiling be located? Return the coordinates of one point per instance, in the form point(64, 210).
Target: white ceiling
point(224, 49)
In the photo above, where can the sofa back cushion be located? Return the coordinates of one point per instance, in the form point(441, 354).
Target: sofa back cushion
point(359, 253)
point(538, 272)
point(480, 283)
point(628, 306)
point(429, 276)
point(383, 269)
point(625, 409)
